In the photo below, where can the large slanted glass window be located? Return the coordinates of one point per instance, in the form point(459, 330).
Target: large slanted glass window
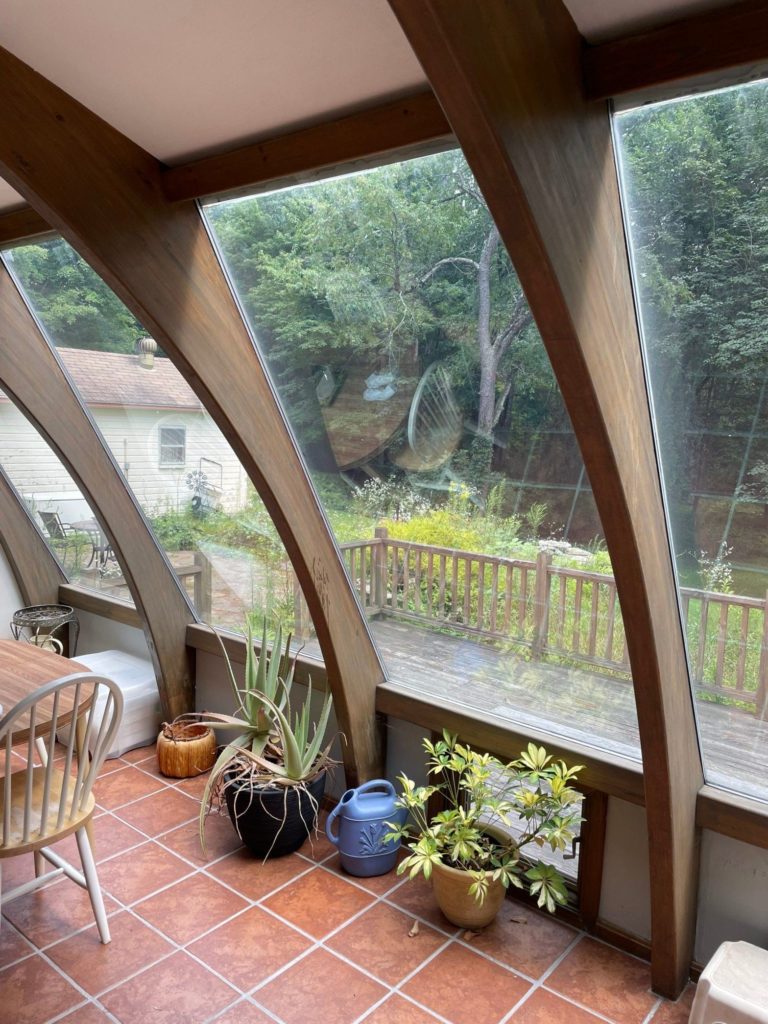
point(56, 504)
point(405, 357)
point(195, 494)
point(694, 184)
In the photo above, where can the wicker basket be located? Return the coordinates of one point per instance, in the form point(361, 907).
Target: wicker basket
point(185, 750)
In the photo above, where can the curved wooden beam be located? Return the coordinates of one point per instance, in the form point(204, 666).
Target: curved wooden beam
point(27, 361)
point(22, 223)
point(508, 75)
point(105, 195)
point(32, 562)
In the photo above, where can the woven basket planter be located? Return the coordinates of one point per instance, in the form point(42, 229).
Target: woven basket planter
point(185, 750)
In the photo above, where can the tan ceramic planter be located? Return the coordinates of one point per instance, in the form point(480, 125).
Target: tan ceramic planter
point(451, 889)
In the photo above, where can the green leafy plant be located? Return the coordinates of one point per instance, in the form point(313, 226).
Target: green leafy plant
point(493, 811)
point(275, 743)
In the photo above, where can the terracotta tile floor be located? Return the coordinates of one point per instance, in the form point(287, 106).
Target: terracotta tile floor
point(228, 939)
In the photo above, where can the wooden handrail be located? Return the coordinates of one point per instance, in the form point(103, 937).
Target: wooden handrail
point(556, 611)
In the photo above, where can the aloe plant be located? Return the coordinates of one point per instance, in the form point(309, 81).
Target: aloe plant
point(275, 744)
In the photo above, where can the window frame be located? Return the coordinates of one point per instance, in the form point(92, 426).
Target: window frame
point(163, 461)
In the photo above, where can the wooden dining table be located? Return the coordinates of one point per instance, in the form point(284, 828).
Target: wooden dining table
point(25, 667)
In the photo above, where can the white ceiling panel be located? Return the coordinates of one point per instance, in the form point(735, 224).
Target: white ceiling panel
point(185, 78)
point(188, 77)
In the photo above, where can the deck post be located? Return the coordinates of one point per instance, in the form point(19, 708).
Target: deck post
point(203, 596)
point(761, 697)
point(381, 533)
point(541, 602)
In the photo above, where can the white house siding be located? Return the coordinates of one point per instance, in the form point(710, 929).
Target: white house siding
point(34, 469)
point(133, 436)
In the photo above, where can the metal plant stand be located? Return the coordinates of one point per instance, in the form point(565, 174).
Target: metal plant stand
point(45, 620)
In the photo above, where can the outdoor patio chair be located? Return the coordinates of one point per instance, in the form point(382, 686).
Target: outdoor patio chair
point(63, 534)
point(41, 805)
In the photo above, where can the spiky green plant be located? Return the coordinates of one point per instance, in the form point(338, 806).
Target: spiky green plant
point(275, 745)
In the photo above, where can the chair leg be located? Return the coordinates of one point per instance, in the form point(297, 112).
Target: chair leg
point(92, 880)
point(42, 750)
point(42, 753)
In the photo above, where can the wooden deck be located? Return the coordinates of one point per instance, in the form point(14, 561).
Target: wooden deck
point(569, 703)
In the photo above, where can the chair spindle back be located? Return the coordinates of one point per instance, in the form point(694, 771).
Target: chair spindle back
point(74, 698)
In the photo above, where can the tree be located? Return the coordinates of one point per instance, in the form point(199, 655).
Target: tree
point(378, 266)
point(492, 346)
point(697, 201)
point(73, 303)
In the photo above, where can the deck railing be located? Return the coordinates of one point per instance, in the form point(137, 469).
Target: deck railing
point(569, 614)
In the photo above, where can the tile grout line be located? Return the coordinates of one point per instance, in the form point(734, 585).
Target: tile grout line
point(395, 989)
point(539, 983)
point(652, 1012)
point(71, 981)
point(178, 947)
point(130, 905)
point(175, 947)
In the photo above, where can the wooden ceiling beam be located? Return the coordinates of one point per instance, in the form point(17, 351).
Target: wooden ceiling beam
point(354, 140)
point(702, 44)
point(55, 410)
point(21, 224)
point(32, 562)
point(360, 139)
point(105, 195)
point(508, 75)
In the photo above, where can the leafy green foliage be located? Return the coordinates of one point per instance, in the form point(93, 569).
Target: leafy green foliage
point(698, 217)
point(493, 811)
point(372, 268)
point(76, 306)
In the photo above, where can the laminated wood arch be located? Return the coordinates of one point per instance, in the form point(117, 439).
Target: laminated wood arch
point(508, 75)
point(105, 195)
point(36, 570)
point(27, 361)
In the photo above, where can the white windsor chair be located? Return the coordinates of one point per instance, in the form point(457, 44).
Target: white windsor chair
point(40, 805)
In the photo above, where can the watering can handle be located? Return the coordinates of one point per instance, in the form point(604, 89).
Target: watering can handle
point(382, 784)
point(334, 813)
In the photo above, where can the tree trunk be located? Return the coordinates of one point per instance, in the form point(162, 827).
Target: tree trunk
point(487, 397)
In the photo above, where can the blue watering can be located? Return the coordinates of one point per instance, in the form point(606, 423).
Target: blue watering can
point(363, 814)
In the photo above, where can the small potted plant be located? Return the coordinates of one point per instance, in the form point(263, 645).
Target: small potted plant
point(472, 850)
point(272, 774)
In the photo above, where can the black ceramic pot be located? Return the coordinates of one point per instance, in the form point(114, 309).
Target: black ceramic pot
point(276, 820)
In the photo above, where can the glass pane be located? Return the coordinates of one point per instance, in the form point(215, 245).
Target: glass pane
point(195, 494)
point(60, 510)
point(405, 357)
point(693, 174)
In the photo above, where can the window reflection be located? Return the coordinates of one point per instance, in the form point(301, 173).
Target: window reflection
point(404, 354)
point(694, 191)
point(56, 504)
point(196, 496)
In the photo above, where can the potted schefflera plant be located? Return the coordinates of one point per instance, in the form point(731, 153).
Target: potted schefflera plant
point(272, 774)
point(495, 815)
